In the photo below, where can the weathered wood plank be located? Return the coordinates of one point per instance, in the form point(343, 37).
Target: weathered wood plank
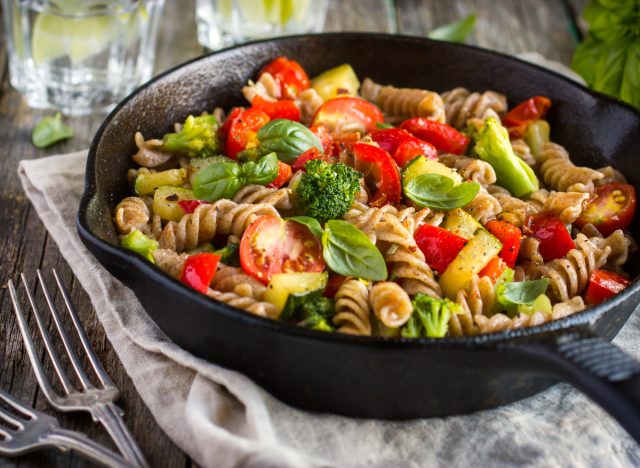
point(361, 15)
point(513, 27)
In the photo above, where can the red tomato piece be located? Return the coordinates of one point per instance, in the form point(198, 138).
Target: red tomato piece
point(272, 245)
point(603, 285)
point(494, 269)
point(438, 245)
point(189, 206)
point(348, 111)
point(333, 284)
point(284, 109)
point(510, 236)
point(555, 240)
point(244, 130)
point(223, 131)
point(284, 174)
point(612, 207)
point(311, 153)
point(290, 75)
point(385, 171)
point(324, 136)
point(524, 113)
point(402, 145)
point(199, 270)
point(444, 137)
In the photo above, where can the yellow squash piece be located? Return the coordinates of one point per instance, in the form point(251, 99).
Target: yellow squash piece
point(147, 183)
point(284, 284)
point(422, 165)
point(470, 261)
point(341, 80)
point(461, 223)
point(165, 202)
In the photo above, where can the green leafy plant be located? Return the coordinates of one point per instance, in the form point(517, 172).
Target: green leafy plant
point(224, 179)
point(440, 192)
point(520, 293)
point(288, 139)
point(311, 223)
point(458, 31)
point(349, 252)
point(50, 130)
point(609, 58)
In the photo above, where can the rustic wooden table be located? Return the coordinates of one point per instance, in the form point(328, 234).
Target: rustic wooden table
point(512, 26)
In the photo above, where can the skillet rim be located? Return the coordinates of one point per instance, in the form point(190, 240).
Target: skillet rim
point(581, 319)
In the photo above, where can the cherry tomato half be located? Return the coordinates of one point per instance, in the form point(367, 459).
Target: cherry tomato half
point(290, 75)
point(348, 112)
point(271, 245)
point(402, 145)
point(311, 153)
point(603, 285)
point(244, 130)
point(223, 131)
point(444, 137)
point(385, 172)
point(611, 208)
point(283, 109)
point(555, 240)
point(324, 136)
point(284, 174)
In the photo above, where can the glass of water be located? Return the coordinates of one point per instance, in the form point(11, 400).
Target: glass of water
point(80, 56)
point(225, 22)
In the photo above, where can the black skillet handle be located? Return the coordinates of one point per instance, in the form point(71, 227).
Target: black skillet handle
point(595, 366)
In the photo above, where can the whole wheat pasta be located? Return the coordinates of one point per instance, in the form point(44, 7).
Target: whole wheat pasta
point(566, 205)
point(169, 261)
point(609, 174)
point(132, 213)
point(231, 279)
point(484, 206)
point(461, 104)
point(398, 103)
point(308, 101)
point(522, 150)
point(390, 304)
point(261, 309)
point(150, 152)
point(266, 87)
point(560, 174)
point(281, 199)
point(470, 168)
point(353, 314)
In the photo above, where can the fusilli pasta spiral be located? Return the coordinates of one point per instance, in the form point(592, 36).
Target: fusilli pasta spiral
point(390, 304)
point(560, 174)
point(281, 199)
point(132, 213)
point(352, 308)
point(470, 168)
point(461, 104)
point(262, 309)
point(231, 279)
point(169, 261)
point(149, 152)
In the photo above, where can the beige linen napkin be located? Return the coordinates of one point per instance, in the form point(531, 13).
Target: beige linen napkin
point(222, 419)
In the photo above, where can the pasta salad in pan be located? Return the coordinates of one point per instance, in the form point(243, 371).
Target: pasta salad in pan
point(369, 209)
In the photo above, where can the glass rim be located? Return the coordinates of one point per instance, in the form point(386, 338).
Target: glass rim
point(97, 8)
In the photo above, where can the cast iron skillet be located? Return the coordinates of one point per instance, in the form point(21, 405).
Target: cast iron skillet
point(368, 376)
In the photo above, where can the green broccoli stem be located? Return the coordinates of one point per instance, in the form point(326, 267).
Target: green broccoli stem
point(140, 243)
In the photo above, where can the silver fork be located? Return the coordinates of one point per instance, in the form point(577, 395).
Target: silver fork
point(24, 430)
point(99, 402)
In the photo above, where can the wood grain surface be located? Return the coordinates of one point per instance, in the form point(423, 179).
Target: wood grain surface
point(512, 26)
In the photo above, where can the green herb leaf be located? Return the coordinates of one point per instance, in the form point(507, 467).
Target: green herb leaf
point(381, 125)
point(311, 223)
point(523, 292)
point(349, 252)
point(439, 192)
point(216, 181)
point(458, 31)
point(288, 139)
point(229, 254)
point(262, 172)
point(50, 130)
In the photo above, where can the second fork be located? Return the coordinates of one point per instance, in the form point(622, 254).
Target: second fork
point(99, 402)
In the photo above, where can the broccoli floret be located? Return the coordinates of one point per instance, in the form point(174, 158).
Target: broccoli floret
point(430, 317)
point(140, 243)
point(326, 191)
point(198, 137)
point(229, 254)
point(317, 314)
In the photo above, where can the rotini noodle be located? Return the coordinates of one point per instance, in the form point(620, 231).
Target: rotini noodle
point(470, 168)
point(234, 280)
point(169, 261)
point(261, 309)
point(390, 304)
point(281, 199)
point(353, 315)
point(460, 105)
point(132, 213)
point(149, 152)
point(560, 174)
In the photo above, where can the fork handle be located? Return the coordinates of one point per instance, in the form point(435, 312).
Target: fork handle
point(110, 415)
point(66, 439)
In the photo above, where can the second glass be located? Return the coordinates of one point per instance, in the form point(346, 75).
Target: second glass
point(80, 56)
point(225, 22)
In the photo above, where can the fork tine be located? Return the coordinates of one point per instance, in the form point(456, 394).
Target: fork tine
point(11, 419)
point(73, 357)
point(36, 364)
point(91, 354)
point(16, 404)
point(4, 434)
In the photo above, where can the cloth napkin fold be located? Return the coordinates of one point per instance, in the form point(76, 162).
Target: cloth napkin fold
point(222, 419)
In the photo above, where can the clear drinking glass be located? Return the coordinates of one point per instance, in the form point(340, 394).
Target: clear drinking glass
point(225, 22)
point(80, 56)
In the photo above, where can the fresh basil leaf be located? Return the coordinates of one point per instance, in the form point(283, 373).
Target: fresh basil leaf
point(311, 223)
point(50, 130)
point(262, 172)
point(438, 192)
point(218, 180)
point(458, 31)
point(381, 125)
point(630, 85)
point(349, 252)
point(607, 22)
point(288, 139)
point(523, 292)
point(610, 67)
